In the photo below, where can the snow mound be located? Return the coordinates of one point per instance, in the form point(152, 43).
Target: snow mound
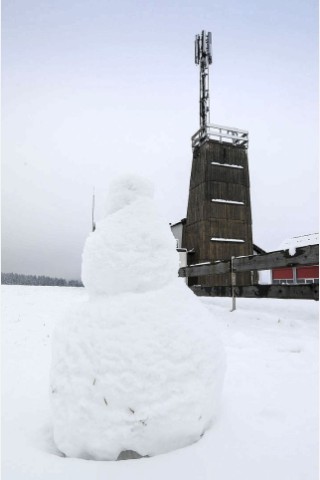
point(139, 372)
point(136, 367)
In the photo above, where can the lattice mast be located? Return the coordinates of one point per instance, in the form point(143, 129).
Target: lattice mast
point(203, 57)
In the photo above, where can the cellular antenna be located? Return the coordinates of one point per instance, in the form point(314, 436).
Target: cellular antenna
point(203, 57)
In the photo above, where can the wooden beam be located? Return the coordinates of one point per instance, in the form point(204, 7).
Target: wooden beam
point(306, 292)
point(308, 255)
point(211, 269)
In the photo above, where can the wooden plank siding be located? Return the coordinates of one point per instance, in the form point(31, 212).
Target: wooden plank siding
point(207, 219)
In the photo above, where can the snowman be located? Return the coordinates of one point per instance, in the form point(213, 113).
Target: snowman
point(137, 369)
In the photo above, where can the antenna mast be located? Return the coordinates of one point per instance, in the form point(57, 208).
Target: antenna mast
point(203, 57)
point(92, 211)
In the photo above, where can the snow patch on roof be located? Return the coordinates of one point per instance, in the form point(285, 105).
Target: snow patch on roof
point(302, 241)
point(198, 264)
point(230, 165)
point(237, 240)
point(220, 200)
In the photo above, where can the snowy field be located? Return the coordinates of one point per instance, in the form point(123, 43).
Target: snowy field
point(268, 424)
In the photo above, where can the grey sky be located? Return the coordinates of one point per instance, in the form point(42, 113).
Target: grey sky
point(95, 89)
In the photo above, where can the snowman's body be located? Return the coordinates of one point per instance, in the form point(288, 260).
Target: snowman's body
point(137, 366)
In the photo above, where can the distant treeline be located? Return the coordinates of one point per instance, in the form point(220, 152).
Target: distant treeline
point(20, 279)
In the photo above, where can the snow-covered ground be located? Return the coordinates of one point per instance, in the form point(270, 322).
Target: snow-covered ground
point(268, 424)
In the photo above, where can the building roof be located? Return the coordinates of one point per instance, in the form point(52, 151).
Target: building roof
point(183, 221)
point(301, 241)
point(258, 249)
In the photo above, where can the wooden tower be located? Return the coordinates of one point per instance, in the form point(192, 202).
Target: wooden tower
point(218, 224)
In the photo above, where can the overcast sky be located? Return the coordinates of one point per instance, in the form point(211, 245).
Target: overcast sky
point(92, 89)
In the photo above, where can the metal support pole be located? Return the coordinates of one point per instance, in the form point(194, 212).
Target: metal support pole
point(92, 212)
point(233, 284)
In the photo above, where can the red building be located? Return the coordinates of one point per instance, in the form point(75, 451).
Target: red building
point(297, 275)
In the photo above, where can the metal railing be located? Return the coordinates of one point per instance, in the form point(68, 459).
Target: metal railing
point(229, 135)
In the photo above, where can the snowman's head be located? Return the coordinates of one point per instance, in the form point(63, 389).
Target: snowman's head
point(125, 190)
